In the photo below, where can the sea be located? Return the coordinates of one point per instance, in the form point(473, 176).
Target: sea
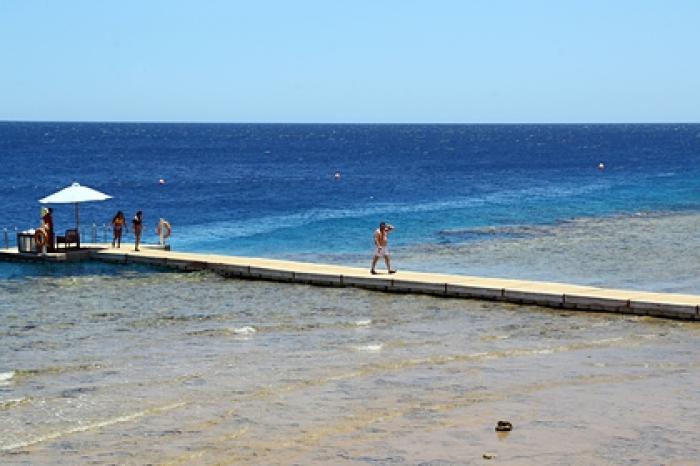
point(125, 364)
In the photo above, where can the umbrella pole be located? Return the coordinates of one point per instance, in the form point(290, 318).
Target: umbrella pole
point(77, 221)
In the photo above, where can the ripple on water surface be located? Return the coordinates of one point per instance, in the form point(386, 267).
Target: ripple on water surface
point(98, 365)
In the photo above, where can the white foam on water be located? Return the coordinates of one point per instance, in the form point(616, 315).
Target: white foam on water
point(363, 323)
point(370, 348)
point(247, 330)
point(6, 378)
point(91, 426)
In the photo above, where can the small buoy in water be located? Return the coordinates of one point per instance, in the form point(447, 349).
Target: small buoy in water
point(161, 181)
point(601, 166)
point(337, 175)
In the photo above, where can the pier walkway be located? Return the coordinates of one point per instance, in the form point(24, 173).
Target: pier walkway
point(557, 295)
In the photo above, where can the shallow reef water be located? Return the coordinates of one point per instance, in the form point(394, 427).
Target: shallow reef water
point(169, 368)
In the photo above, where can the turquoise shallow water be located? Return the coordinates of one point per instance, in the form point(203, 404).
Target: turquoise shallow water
point(653, 252)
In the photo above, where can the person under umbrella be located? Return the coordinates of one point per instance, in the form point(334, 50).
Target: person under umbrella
point(75, 194)
point(47, 219)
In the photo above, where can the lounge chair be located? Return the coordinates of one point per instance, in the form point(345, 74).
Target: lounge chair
point(69, 238)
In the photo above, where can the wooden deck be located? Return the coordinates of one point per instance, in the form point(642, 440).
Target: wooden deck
point(558, 295)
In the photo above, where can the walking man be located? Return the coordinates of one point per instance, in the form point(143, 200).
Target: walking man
point(381, 247)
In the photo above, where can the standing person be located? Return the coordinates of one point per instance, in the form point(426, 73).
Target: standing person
point(381, 245)
point(137, 223)
point(118, 224)
point(47, 218)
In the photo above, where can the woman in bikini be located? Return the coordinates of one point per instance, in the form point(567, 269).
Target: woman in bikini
point(118, 224)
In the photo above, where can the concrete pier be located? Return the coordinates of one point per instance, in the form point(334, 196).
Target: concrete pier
point(557, 295)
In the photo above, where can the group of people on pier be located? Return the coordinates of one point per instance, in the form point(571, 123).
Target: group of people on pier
point(48, 239)
point(119, 226)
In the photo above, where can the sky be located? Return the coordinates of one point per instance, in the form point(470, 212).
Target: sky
point(355, 61)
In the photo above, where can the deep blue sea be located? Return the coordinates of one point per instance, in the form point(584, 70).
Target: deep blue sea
point(270, 189)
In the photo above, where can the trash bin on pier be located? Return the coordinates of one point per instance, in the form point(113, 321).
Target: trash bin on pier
point(25, 242)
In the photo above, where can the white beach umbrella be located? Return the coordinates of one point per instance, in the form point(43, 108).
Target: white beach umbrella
point(75, 194)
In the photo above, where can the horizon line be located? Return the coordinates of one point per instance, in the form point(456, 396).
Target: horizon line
point(185, 122)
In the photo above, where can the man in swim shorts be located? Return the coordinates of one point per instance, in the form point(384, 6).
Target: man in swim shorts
point(381, 247)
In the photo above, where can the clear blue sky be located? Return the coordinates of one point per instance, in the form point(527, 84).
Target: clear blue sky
point(354, 61)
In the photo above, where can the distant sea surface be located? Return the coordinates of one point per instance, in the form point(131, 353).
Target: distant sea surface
point(129, 365)
point(272, 190)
